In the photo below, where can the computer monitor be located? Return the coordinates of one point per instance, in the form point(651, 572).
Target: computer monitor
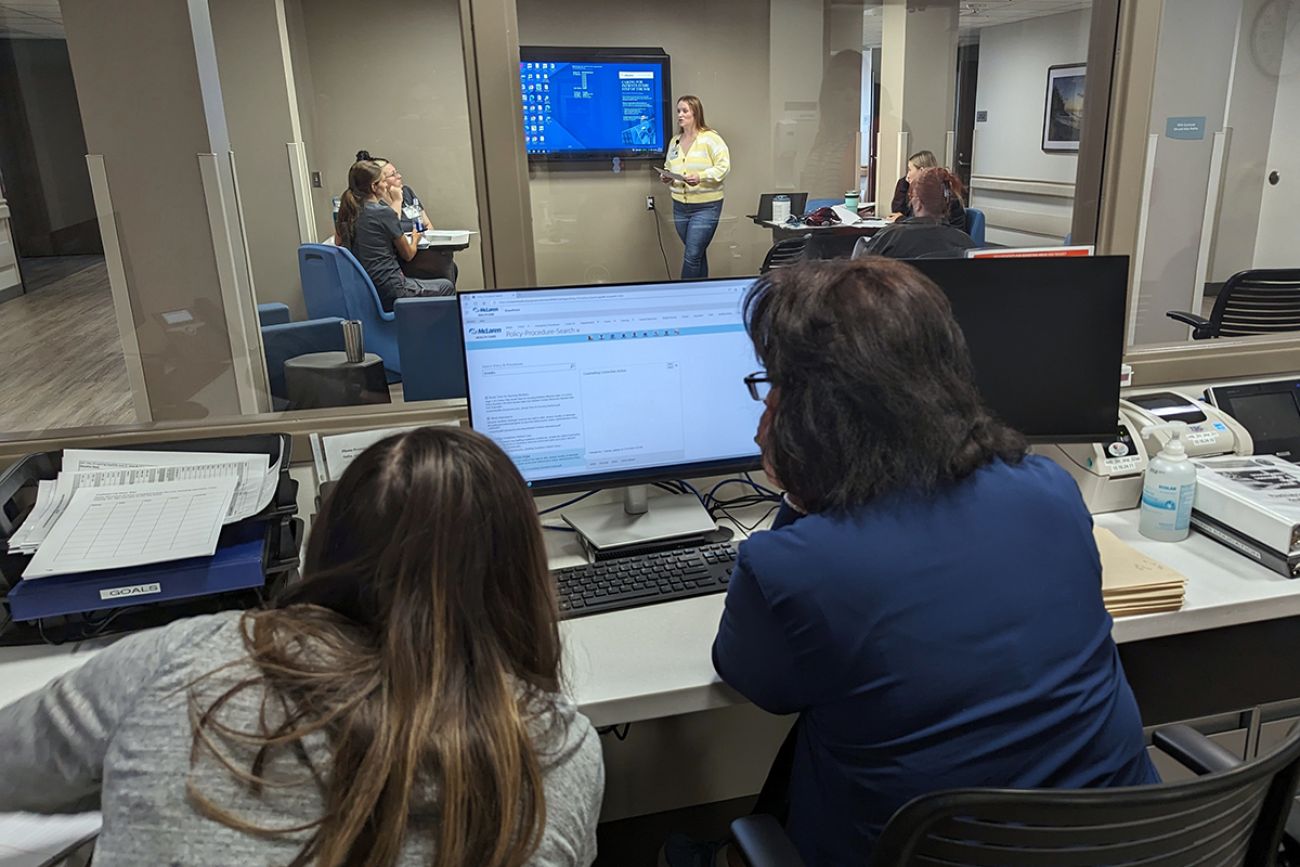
point(595, 386)
point(1046, 337)
point(591, 386)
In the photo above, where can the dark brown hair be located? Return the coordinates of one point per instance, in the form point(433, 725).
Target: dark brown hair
point(362, 178)
point(873, 389)
point(421, 643)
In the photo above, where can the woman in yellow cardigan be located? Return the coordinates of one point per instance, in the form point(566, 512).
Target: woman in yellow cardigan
point(700, 155)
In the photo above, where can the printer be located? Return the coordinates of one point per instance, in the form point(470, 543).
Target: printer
point(1210, 431)
point(1109, 474)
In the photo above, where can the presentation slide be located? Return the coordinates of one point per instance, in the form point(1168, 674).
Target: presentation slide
point(578, 382)
point(572, 107)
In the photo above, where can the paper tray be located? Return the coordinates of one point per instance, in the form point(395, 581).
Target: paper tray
point(253, 559)
point(18, 485)
point(243, 553)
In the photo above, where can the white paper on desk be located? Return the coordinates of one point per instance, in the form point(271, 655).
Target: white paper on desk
point(447, 237)
point(341, 449)
point(36, 526)
point(117, 527)
point(257, 480)
point(29, 840)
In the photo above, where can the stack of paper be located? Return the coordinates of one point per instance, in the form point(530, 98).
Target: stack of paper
point(112, 509)
point(1133, 583)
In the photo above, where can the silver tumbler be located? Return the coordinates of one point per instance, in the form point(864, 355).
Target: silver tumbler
point(353, 344)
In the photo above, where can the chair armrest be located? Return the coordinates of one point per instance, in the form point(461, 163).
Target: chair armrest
point(763, 842)
point(1201, 327)
point(1193, 750)
point(273, 313)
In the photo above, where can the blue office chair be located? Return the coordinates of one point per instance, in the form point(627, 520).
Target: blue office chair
point(322, 282)
point(272, 314)
point(975, 225)
point(282, 340)
point(432, 348)
point(339, 286)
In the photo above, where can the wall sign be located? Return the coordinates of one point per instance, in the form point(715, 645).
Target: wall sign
point(1185, 128)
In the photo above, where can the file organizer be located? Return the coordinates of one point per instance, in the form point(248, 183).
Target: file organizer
point(254, 557)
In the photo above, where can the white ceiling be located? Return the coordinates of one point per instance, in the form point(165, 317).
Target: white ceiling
point(976, 14)
point(31, 19)
point(42, 19)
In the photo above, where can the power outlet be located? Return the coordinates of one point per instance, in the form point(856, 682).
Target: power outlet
point(649, 203)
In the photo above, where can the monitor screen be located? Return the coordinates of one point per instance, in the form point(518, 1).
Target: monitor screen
point(585, 103)
point(1046, 337)
point(601, 384)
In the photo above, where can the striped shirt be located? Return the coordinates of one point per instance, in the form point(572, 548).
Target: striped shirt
point(709, 158)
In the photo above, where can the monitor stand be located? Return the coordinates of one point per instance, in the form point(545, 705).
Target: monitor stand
point(633, 522)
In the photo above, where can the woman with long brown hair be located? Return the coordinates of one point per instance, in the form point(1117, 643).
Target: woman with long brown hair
point(368, 225)
point(399, 706)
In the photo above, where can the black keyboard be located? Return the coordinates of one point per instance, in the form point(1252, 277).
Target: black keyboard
point(643, 579)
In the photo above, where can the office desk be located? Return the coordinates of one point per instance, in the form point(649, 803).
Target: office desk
point(1229, 648)
point(696, 740)
point(434, 260)
point(781, 231)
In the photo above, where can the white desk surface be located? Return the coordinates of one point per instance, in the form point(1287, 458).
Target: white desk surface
point(654, 661)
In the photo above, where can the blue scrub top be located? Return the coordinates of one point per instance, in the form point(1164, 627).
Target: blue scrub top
point(932, 642)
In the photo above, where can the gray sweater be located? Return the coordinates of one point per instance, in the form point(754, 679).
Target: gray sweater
point(117, 731)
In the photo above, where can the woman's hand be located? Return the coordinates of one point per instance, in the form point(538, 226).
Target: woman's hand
point(664, 179)
point(894, 216)
point(692, 179)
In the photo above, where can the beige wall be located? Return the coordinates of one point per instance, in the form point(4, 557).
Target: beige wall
point(918, 85)
point(1027, 193)
point(256, 94)
point(143, 110)
point(389, 78)
point(591, 223)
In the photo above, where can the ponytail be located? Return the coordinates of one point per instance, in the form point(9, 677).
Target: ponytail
point(361, 180)
point(349, 209)
point(953, 183)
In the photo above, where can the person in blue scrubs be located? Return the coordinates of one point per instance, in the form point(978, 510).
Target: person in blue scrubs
point(928, 599)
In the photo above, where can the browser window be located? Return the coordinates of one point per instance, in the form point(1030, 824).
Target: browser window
point(594, 380)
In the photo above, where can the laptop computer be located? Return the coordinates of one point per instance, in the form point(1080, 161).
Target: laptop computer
point(798, 201)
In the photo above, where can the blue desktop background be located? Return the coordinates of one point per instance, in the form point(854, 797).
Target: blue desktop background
point(575, 107)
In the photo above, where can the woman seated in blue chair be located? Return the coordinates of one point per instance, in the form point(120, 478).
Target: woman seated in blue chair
point(370, 227)
point(924, 234)
point(928, 599)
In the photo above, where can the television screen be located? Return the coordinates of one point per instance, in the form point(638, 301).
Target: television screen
point(595, 103)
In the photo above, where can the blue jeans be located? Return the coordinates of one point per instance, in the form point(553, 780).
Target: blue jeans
point(695, 226)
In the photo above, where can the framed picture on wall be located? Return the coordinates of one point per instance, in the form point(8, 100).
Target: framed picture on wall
point(1063, 109)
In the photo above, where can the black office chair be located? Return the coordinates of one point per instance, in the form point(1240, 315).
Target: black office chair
point(1263, 301)
point(785, 253)
point(1232, 817)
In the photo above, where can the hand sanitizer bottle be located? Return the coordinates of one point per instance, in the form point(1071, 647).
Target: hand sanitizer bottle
point(1168, 489)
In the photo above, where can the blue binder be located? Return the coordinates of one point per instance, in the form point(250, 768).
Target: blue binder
point(237, 565)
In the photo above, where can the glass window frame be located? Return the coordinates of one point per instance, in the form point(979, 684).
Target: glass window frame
point(1122, 51)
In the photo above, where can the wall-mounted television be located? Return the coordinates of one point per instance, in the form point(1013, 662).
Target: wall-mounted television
point(595, 103)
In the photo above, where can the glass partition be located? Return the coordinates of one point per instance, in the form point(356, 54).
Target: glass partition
point(243, 119)
point(1222, 168)
point(206, 148)
point(816, 100)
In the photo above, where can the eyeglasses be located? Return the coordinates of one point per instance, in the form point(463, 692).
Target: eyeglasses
point(759, 385)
